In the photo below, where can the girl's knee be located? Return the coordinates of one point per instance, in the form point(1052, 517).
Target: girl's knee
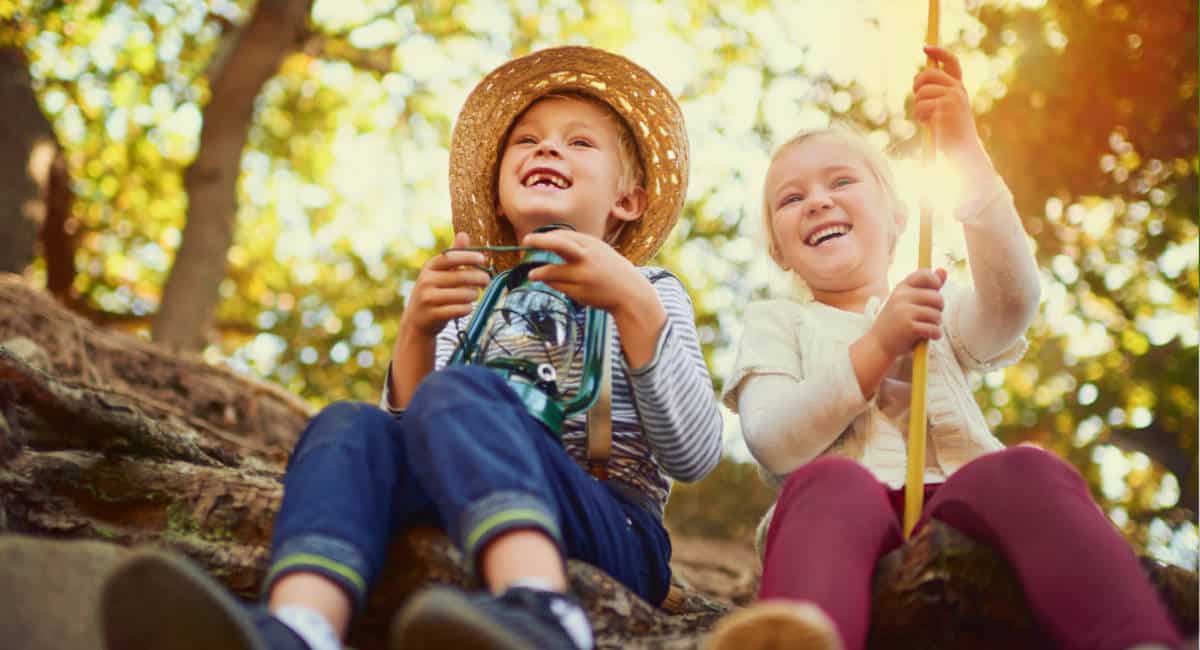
point(1018, 475)
point(839, 496)
point(1030, 456)
point(832, 470)
point(1030, 465)
point(1021, 488)
point(832, 479)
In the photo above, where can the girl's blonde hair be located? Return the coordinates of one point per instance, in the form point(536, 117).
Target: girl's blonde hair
point(856, 141)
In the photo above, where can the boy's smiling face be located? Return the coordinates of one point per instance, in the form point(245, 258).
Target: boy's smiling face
point(562, 164)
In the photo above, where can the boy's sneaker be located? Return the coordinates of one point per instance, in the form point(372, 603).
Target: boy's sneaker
point(519, 619)
point(776, 624)
point(159, 601)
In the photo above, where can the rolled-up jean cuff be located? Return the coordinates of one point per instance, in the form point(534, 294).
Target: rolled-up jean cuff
point(500, 512)
point(329, 557)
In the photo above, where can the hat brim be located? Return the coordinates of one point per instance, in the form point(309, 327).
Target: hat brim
point(646, 106)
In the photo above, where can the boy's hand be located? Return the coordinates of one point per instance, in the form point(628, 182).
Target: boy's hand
point(446, 288)
point(912, 313)
point(940, 101)
point(593, 273)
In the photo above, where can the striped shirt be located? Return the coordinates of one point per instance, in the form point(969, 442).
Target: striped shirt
point(665, 420)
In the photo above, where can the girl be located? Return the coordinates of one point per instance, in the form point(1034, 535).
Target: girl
point(822, 386)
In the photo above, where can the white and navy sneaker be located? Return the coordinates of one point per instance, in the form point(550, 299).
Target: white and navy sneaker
point(519, 619)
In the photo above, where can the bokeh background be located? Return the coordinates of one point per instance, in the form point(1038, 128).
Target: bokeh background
point(260, 182)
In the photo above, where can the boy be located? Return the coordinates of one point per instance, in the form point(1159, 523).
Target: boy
point(573, 136)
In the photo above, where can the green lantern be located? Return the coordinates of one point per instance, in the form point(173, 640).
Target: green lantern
point(538, 339)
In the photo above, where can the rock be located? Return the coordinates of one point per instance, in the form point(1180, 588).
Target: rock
point(51, 591)
point(125, 443)
point(26, 350)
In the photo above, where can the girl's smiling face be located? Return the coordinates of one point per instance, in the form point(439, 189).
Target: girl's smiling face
point(832, 221)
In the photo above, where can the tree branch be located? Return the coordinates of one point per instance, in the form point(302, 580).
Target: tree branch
point(1161, 446)
point(321, 45)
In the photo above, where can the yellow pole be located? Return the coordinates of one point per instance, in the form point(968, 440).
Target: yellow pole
point(914, 487)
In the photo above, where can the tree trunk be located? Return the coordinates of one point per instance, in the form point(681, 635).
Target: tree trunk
point(104, 437)
point(27, 149)
point(59, 236)
point(190, 295)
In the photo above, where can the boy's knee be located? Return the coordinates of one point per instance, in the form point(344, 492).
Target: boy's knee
point(345, 416)
point(342, 423)
point(346, 410)
point(454, 387)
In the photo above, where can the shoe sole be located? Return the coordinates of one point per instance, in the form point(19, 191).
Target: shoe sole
point(775, 626)
point(445, 618)
point(155, 601)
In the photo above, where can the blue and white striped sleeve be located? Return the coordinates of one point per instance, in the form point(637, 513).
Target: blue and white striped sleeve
point(447, 340)
point(674, 392)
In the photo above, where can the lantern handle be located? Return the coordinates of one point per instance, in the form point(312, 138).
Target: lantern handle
point(493, 249)
point(491, 270)
point(599, 417)
point(595, 335)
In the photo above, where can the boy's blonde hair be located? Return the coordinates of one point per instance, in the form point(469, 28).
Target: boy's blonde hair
point(855, 140)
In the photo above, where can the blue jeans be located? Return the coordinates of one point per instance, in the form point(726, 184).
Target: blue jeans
point(466, 457)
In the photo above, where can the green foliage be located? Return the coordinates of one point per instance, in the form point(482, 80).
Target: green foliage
point(728, 503)
point(1088, 108)
point(1106, 181)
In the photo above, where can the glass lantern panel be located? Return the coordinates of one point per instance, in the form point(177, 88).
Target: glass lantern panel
point(536, 333)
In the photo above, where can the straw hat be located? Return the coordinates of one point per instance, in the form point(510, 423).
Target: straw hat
point(642, 101)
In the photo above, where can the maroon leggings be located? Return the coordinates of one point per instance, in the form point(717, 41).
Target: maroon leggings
point(834, 521)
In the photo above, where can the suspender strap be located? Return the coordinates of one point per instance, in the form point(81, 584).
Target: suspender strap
point(599, 417)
